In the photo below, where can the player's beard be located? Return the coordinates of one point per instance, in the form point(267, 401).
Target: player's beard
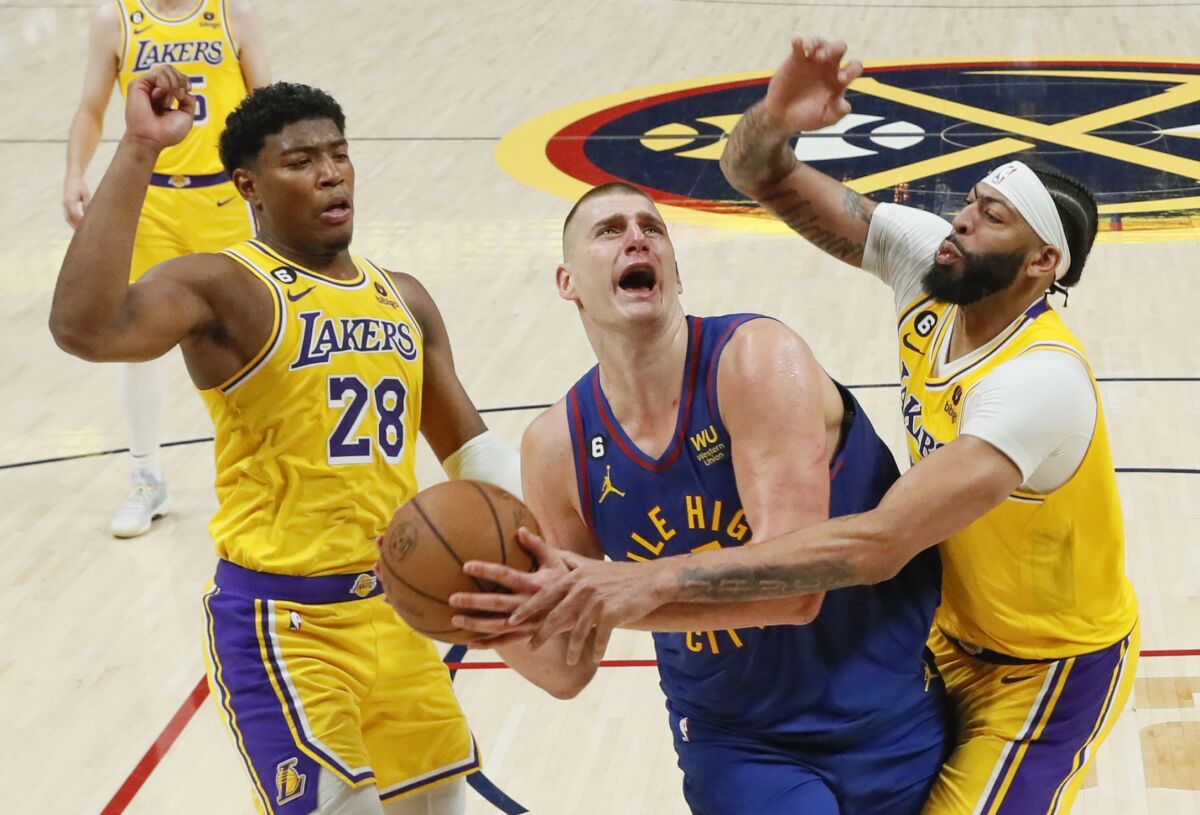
point(983, 274)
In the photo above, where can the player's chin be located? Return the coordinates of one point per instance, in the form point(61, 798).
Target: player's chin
point(337, 239)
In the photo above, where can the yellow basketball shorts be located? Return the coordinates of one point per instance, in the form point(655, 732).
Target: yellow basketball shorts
point(319, 672)
point(1027, 731)
point(204, 215)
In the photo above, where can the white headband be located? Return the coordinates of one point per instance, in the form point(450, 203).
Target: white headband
point(1029, 196)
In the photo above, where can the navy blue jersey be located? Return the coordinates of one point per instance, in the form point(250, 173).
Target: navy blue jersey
point(857, 668)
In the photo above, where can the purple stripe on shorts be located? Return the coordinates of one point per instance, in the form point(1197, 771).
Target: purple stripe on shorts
point(268, 636)
point(272, 753)
point(1086, 698)
point(1014, 746)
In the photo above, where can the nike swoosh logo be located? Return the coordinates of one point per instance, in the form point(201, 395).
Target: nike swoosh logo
point(223, 203)
point(295, 297)
point(1008, 680)
point(137, 31)
point(909, 345)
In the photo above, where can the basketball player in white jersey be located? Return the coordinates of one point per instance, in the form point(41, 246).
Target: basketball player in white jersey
point(192, 205)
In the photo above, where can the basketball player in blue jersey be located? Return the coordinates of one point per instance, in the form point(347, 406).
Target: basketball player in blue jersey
point(1037, 634)
point(191, 205)
point(318, 369)
point(701, 433)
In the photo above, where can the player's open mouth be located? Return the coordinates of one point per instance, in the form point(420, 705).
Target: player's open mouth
point(337, 212)
point(947, 253)
point(638, 278)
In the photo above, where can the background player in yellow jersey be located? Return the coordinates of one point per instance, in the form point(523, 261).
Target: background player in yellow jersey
point(318, 369)
point(192, 205)
point(1037, 635)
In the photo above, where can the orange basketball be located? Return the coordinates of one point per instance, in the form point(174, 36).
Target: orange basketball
point(433, 535)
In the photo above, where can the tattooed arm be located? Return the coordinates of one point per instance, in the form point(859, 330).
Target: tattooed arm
point(940, 495)
point(805, 94)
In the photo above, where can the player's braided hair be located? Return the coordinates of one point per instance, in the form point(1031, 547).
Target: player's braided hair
point(268, 111)
point(1077, 208)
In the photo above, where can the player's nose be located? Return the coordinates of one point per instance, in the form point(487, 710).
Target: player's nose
point(635, 238)
point(329, 173)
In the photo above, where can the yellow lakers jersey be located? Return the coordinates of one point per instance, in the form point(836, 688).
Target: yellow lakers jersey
point(1040, 576)
point(200, 46)
point(316, 436)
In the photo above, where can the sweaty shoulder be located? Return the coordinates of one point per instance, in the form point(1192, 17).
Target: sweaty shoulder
point(901, 243)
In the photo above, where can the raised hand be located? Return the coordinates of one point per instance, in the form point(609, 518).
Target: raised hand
point(808, 91)
point(160, 109)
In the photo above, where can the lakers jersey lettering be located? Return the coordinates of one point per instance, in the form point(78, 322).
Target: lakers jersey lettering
point(151, 53)
point(1040, 576)
point(316, 436)
point(324, 337)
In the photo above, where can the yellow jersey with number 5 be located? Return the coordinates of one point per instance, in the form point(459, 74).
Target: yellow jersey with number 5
point(316, 436)
point(201, 47)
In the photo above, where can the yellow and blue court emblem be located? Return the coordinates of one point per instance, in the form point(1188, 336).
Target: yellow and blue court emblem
point(920, 134)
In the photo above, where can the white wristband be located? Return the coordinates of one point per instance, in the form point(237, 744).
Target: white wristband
point(486, 458)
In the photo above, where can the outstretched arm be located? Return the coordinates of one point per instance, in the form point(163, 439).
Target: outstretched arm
point(939, 496)
point(807, 93)
point(95, 313)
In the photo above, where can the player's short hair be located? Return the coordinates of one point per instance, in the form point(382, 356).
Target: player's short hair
point(266, 112)
point(609, 188)
point(1077, 208)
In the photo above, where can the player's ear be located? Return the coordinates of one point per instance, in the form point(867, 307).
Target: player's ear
point(1044, 260)
point(678, 279)
point(566, 286)
point(243, 182)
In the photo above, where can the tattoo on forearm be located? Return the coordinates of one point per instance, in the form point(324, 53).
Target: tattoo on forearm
point(797, 212)
point(859, 206)
point(757, 154)
point(763, 582)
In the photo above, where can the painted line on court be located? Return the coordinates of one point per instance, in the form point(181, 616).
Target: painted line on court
point(157, 750)
point(517, 408)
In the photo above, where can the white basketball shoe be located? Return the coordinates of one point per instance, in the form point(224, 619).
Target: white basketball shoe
point(148, 501)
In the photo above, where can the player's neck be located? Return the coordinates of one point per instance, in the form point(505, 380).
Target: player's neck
point(642, 373)
point(337, 264)
point(979, 323)
point(172, 9)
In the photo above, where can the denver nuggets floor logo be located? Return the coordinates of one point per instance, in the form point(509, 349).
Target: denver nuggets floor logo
point(920, 134)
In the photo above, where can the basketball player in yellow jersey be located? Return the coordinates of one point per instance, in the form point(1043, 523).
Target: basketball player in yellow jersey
point(318, 369)
point(191, 205)
point(1037, 634)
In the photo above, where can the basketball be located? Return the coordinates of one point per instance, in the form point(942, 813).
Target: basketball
point(430, 538)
